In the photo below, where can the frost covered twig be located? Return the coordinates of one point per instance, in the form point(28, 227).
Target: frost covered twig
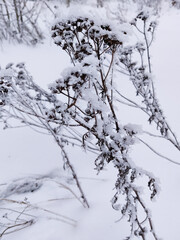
point(18, 21)
point(16, 214)
point(35, 206)
point(31, 110)
point(27, 206)
point(142, 78)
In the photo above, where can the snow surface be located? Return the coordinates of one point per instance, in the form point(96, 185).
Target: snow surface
point(27, 154)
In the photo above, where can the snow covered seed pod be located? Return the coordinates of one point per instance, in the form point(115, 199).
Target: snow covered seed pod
point(81, 37)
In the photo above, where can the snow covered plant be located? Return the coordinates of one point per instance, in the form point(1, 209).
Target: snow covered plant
point(18, 21)
point(81, 107)
point(139, 70)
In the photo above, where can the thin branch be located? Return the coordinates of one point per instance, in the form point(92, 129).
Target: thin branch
point(160, 155)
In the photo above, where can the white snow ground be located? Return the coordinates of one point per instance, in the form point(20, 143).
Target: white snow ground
point(25, 153)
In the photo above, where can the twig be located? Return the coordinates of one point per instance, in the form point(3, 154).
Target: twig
point(25, 224)
point(160, 155)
